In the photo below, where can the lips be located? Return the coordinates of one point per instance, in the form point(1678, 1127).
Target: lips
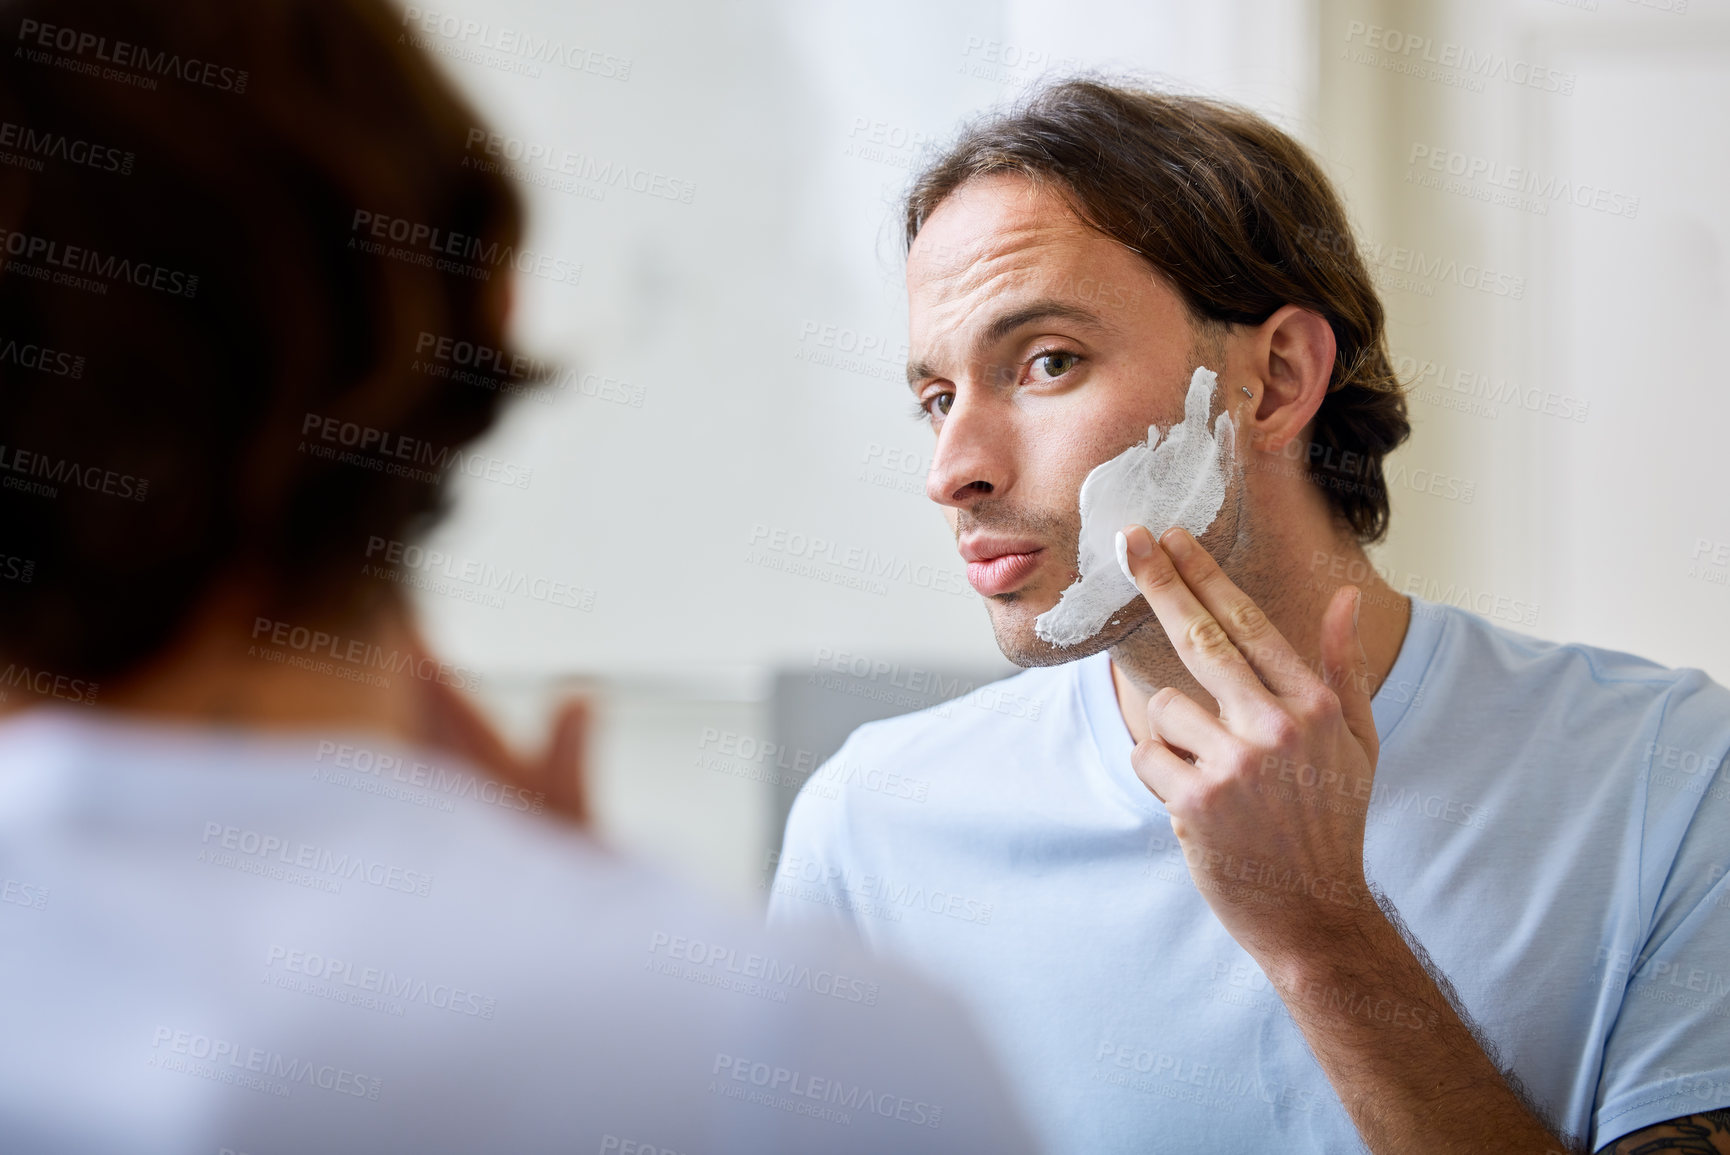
point(1001, 574)
point(998, 565)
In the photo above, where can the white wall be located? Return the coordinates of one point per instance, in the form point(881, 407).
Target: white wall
point(1582, 529)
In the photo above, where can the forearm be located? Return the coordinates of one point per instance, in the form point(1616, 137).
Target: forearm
point(1405, 1066)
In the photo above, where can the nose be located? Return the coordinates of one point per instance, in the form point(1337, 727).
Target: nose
point(972, 457)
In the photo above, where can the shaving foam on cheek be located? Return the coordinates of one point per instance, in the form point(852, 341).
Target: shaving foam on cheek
point(1180, 480)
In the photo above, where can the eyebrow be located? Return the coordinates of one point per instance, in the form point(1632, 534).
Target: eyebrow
point(1003, 326)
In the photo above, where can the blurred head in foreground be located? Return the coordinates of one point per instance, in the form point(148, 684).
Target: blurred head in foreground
point(230, 234)
point(234, 236)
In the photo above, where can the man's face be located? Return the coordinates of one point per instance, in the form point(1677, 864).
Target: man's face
point(1039, 349)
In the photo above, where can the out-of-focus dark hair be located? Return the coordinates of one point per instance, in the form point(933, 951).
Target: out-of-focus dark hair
point(145, 143)
point(1238, 219)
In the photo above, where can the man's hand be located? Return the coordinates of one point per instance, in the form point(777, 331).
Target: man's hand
point(1268, 798)
point(449, 720)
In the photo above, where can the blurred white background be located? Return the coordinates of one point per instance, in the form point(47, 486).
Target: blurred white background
point(738, 344)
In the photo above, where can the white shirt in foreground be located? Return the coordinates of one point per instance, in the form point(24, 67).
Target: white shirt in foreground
point(219, 944)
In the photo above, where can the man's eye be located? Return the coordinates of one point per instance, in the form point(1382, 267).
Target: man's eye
point(1055, 364)
point(933, 407)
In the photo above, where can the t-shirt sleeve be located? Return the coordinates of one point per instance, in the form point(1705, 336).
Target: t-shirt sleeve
point(807, 877)
point(1668, 1054)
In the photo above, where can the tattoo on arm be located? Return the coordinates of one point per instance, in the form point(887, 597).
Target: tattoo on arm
point(1707, 1133)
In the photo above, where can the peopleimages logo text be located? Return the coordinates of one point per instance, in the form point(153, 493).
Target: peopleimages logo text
point(62, 471)
point(338, 865)
point(388, 447)
point(361, 653)
point(453, 248)
point(124, 54)
point(268, 1065)
point(799, 1085)
point(81, 260)
point(44, 144)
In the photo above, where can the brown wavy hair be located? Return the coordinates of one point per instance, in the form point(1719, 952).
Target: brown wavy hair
point(185, 282)
point(1235, 215)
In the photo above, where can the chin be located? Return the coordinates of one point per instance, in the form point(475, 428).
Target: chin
point(1012, 622)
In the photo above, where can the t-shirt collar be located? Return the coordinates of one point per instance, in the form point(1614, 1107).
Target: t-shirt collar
point(1112, 742)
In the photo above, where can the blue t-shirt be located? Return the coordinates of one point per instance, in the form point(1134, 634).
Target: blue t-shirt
point(1552, 822)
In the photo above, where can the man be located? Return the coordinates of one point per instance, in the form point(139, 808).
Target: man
point(267, 882)
point(1278, 863)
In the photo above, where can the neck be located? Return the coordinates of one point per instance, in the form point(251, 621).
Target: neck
point(1144, 663)
point(232, 667)
point(227, 669)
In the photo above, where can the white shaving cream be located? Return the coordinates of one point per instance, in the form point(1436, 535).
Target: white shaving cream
point(1179, 480)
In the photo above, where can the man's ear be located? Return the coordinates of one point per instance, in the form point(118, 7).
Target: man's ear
point(1287, 361)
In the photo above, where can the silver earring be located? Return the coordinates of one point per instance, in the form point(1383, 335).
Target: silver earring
point(1246, 392)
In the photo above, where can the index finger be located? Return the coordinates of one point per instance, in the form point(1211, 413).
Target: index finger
point(1266, 650)
point(1199, 639)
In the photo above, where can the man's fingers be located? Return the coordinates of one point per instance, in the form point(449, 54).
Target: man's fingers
point(565, 772)
point(1266, 650)
point(1198, 638)
point(1347, 666)
point(1161, 771)
point(449, 719)
point(1176, 720)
